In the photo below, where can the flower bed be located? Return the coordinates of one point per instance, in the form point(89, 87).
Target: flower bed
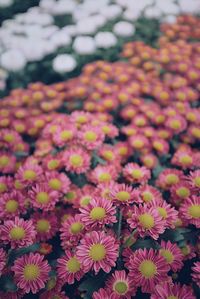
point(100, 177)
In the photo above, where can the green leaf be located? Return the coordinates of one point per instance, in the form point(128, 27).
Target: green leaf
point(92, 284)
point(14, 254)
point(7, 284)
point(148, 243)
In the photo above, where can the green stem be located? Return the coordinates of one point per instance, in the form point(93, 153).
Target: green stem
point(129, 238)
point(119, 225)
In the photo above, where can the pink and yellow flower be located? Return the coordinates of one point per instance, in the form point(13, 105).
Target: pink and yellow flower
point(173, 255)
point(196, 273)
point(136, 174)
point(166, 290)
point(76, 160)
point(190, 210)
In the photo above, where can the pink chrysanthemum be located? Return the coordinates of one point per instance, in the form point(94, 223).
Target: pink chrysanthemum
point(57, 181)
point(97, 213)
point(147, 221)
point(183, 158)
point(121, 285)
point(11, 204)
point(109, 154)
point(147, 269)
point(109, 130)
point(7, 162)
point(91, 137)
point(188, 251)
point(72, 230)
point(76, 160)
point(190, 210)
point(173, 255)
point(42, 197)
point(166, 211)
point(97, 251)
point(161, 146)
point(18, 232)
point(196, 273)
point(2, 260)
point(136, 174)
point(194, 179)
point(139, 142)
point(122, 194)
point(147, 194)
point(103, 174)
point(69, 268)
point(168, 290)
point(52, 162)
point(149, 160)
point(53, 294)
point(169, 177)
point(28, 174)
point(177, 124)
point(64, 134)
point(180, 192)
point(46, 225)
point(19, 294)
point(85, 195)
point(105, 294)
point(31, 272)
point(6, 182)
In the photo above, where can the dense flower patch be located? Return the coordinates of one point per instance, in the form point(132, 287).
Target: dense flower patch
point(100, 178)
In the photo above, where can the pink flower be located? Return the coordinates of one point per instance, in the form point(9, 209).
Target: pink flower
point(147, 221)
point(196, 273)
point(2, 260)
point(18, 232)
point(190, 210)
point(180, 192)
point(147, 269)
point(57, 181)
point(169, 177)
point(177, 124)
point(6, 182)
point(91, 137)
point(167, 290)
point(76, 160)
point(104, 294)
point(194, 179)
point(139, 142)
point(147, 193)
point(121, 285)
point(31, 272)
point(42, 197)
point(173, 255)
point(12, 204)
point(122, 194)
point(136, 174)
point(103, 174)
point(98, 213)
point(28, 174)
point(69, 268)
point(64, 134)
point(53, 294)
point(46, 225)
point(160, 145)
point(97, 251)
point(72, 230)
point(183, 158)
point(7, 162)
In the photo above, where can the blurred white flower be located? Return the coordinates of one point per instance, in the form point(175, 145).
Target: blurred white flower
point(70, 30)
point(13, 60)
point(167, 7)
point(6, 3)
point(171, 19)
point(84, 45)
point(63, 7)
point(60, 38)
point(105, 40)
point(124, 29)
point(86, 26)
point(111, 11)
point(131, 14)
point(191, 6)
point(2, 84)
point(64, 63)
point(153, 12)
point(3, 74)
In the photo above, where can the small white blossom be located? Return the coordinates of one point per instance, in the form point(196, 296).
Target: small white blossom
point(105, 40)
point(84, 45)
point(64, 63)
point(123, 29)
point(13, 60)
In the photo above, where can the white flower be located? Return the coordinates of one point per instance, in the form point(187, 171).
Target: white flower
point(171, 19)
point(167, 7)
point(153, 12)
point(111, 11)
point(70, 30)
point(123, 29)
point(84, 45)
point(131, 15)
point(64, 63)
point(60, 38)
point(2, 84)
point(6, 3)
point(105, 39)
point(13, 60)
point(191, 6)
point(86, 26)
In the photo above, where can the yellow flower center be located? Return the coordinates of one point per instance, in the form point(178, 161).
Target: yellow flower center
point(183, 192)
point(146, 220)
point(17, 233)
point(31, 272)
point(123, 151)
point(185, 250)
point(18, 185)
point(70, 195)
point(175, 124)
point(76, 160)
point(172, 297)
point(196, 132)
point(73, 265)
point(167, 255)
point(55, 184)
point(76, 227)
point(66, 135)
point(197, 181)
point(53, 164)
point(136, 174)
point(106, 129)
point(82, 119)
point(123, 196)
point(138, 144)
point(4, 160)
point(11, 206)
point(85, 200)
point(148, 269)
point(97, 213)
point(9, 138)
point(172, 179)
point(158, 145)
point(194, 211)
point(147, 196)
point(43, 225)
point(29, 175)
point(162, 212)
point(120, 287)
point(90, 136)
point(97, 252)
point(42, 197)
point(185, 160)
point(104, 177)
point(3, 187)
point(108, 155)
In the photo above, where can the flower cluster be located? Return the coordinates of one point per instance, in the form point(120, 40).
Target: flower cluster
point(100, 180)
